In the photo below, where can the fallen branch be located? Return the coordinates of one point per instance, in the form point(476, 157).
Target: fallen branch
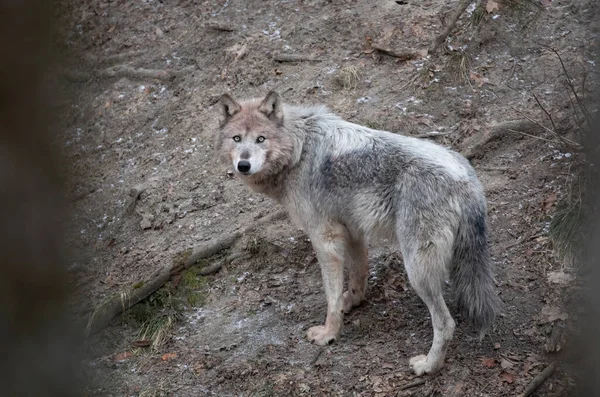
point(432, 134)
point(220, 26)
point(403, 56)
point(539, 379)
point(129, 72)
point(96, 59)
point(462, 6)
point(412, 384)
point(294, 58)
point(113, 306)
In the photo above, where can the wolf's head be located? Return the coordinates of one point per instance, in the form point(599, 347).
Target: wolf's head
point(253, 137)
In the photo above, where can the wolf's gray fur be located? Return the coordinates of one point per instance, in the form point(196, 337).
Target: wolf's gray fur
point(344, 184)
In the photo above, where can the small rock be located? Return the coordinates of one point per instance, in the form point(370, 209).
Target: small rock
point(146, 222)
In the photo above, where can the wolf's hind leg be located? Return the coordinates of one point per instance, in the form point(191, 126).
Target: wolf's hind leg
point(330, 243)
point(358, 272)
point(425, 267)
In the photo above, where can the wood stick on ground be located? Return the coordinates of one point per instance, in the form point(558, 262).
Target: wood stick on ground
point(412, 384)
point(129, 72)
point(120, 57)
point(403, 56)
point(220, 26)
point(432, 134)
point(124, 300)
point(539, 379)
point(294, 58)
point(462, 6)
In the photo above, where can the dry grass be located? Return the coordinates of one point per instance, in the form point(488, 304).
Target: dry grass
point(349, 77)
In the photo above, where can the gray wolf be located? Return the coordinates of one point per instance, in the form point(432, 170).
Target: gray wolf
point(344, 184)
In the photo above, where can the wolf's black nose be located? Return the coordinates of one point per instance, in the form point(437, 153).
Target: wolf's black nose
point(244, 166)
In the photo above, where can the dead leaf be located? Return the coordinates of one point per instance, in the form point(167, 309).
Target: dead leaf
point(168, 356)
point(560, 278)
point(496, 346)
point(123, 356)
point(110, 30)
point(388, 366)
point(549, 201)
point(492, 6)
point(479, 79)
point(159, 32)
point(506, 377)
point(553, 313)
point(237, 51)
point(505, 364)
point(489, 362)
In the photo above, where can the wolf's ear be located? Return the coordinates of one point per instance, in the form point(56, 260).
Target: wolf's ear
point(272, 107)
point(228, 107)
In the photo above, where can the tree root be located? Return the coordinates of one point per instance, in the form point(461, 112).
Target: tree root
point(462, 6)
point(118, 303)
point(496, 131)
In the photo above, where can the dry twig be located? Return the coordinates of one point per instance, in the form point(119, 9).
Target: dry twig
point(539, 379)
point(294, 58)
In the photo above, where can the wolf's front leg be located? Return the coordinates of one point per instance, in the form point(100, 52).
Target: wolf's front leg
point(330, 244)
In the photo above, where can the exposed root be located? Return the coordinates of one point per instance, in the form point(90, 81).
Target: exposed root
point(462, 6)
point(124, 300)
point(496, 131)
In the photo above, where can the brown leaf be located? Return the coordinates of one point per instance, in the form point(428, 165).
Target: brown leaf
point(489, 362)
point(549, 201)
point(110, 30)
point(478, 78)
point(492, 6)
point(168, 356)
point(506, 377)
point(141, 343)
point(122, 356)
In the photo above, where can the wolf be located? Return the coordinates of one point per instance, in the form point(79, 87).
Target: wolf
point(345, 184)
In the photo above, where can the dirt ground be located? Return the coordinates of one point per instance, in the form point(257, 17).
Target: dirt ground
point(240, 331)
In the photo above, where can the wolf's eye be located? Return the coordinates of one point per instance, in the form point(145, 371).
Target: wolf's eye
point(260, 139)
point(237, 138)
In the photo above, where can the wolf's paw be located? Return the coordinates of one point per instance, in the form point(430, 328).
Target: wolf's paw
point(351, 301)
point(320, 335)
point(420, 365)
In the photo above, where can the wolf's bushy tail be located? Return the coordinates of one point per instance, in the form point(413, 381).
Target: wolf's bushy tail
point(471, 271)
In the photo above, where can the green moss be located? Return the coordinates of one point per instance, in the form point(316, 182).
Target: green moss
point(182, 257)
point(139, 284)
point(193, 287)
